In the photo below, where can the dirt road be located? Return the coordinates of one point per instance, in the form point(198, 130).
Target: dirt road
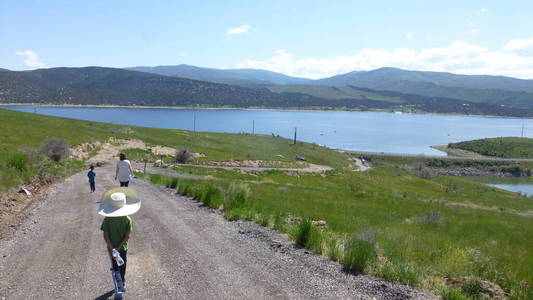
point(178, 250)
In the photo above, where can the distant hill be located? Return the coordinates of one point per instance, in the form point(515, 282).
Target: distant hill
point(437, 78)
point(506, 147)
point(498, 90)
point(97, 85)
point(242, 77)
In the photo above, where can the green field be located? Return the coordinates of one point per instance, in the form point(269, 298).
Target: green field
point(388, 221)
point(506, 147)
point(21, 133)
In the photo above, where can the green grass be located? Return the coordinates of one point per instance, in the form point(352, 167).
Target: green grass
point(329, 92)
point(419, 228)
point(423, 228)
point(507, 147)
point(21, 133)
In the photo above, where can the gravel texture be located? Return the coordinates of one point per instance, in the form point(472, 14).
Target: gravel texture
point(178, 250)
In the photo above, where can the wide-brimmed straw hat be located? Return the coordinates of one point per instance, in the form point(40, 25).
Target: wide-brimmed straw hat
point(119, 202)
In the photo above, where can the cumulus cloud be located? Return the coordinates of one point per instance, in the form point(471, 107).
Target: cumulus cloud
point(243, 29)
point(31, 59)
point(458, 57)
point(519, 44)
point(408, 35)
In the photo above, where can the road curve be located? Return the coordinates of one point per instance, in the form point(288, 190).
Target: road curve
point(178, 250)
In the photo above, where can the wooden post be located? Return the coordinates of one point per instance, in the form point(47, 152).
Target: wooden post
point(295, 130)
point(253, 127)
point(194, 123)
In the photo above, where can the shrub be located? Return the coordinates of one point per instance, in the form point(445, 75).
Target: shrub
point(156, 179)
point(422, 171)
point(172, 182)
point(400, 272)
point(302, 232)
point(358, 255)
point(334, 250)
point(280, 224)
point(55, 148)
point(207, 194)
point(18, 161)
point(452, 294)
point(472, 287)
point(183, 155)
point(236, 196)
point(315, 240)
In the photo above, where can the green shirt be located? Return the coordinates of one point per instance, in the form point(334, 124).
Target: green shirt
point(117, 227)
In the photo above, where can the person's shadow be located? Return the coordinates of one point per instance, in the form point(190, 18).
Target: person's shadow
point(106, 296)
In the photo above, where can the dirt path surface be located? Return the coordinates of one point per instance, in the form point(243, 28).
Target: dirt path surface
point(178, 250)
point(312, 168)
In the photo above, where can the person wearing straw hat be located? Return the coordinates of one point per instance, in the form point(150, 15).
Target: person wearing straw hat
point(116, 206)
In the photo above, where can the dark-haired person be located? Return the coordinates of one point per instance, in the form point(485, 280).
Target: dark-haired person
point(92, 181)
point(124, 171)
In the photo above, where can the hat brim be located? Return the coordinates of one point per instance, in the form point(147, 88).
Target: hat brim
point(133, 203)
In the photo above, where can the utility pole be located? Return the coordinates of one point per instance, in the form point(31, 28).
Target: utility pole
point(522, 130)
point(194, 123)
point(295, 130)
point(253, 127)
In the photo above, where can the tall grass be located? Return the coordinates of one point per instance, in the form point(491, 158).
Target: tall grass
point(358, 255)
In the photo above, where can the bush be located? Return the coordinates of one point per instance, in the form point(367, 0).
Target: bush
point(55, 148)
point(400, 272)
point(280, 224)
point(18, 161)
point(207, 194)
point(183, 155)
point(156, 179)
point(452, 294)
point(358, 255)
point(236, 196)
point(472, 287)
point(172, 182)
point(302, 233)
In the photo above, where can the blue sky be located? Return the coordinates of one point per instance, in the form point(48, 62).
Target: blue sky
point(299, 38)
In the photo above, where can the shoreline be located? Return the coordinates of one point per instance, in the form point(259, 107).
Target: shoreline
point(255, 109)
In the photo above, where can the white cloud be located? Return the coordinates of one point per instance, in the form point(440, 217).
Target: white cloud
point(31, 59)
point(482, 10)
point(409, 35)
point(519, 44)
point(243, 29)
point(458, 57)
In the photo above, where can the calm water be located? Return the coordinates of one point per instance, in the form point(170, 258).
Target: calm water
point(517, 188)
point(364, 131)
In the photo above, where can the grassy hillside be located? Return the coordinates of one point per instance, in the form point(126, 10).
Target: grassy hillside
point(20, 133)
point(472, 88)
point(330, 92)
point(506, 147)
point(388, 221)
point(419, 231)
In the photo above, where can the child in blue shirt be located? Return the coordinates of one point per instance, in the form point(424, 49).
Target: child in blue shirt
point(92, 180)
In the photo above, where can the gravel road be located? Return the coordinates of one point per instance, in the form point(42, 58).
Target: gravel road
point(178, 250)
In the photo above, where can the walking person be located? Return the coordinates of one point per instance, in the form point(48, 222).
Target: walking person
point(124, 171)
point(116, 206)
point(92, 178)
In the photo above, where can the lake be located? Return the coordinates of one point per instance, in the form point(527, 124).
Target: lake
point(363, 131)
point(517, 188)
